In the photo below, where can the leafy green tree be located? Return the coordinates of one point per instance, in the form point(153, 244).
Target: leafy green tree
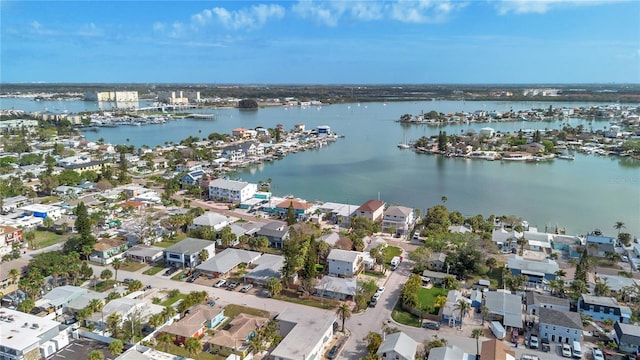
point(274, 286)
point(26, 305)
point(135, 285)
point(106, 274)
point(619, 226)
point(164, 339)
point(113, 324)
point(291, 214)
point(374, 340)
point(193, 346)
point(309, 270)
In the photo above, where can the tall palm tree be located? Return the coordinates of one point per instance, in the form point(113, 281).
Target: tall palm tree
point(164, 339)
point(463, 307)
point(193, 346)
point(476, 334)
point(343, 312)
point(116, 264)
point(602, 288)
point(619, 226)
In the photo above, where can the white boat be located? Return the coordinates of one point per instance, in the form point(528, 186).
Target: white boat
point(404, 146)
point(566, 157)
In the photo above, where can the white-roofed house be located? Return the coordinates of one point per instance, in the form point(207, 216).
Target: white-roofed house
point(58, 298)
point(450, 313)
point(536, 271)
point(305, 332)
point(26, 336)
point(505, 307)
point(266, 267)
point(212, 220)
point(344, 263)
point(126, 308)
point(397, 346)
point(231, 190)
point(449, 352)
point(336, 288)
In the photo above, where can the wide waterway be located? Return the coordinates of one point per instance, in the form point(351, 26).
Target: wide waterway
point(581, 195)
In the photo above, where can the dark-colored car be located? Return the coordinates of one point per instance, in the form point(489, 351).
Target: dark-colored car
point(431, 325)
point(170, 271)
point(373, 302)
point(127, 280)
point(332, 353)
point(233, 285)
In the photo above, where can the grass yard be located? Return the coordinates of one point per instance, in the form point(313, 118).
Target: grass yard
point(153, 270)
point(105, 285)
point(321, 303)
point(390, 252)
point(426, 297)
point(232, 310)
point(132, 266)
point(179, 276)
point(48, 238)
point(180, 351)
point(404, 317)
point(173, 300)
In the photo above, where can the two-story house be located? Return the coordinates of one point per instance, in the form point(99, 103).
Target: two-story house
point(301, 209)
point(9, 235)
point(535, 301)
point(186, 253)
point(344, 263)
point(192, 178)
point(231, 191)
point(372, 210)
point(199, 319)
point(536, 271)
point(107, 250)
point(627, 337)
point(603, 307)
point(560, 326)
point(277, 232)
point(398, 220)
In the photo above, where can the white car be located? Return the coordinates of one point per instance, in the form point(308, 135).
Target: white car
point(566, 350)
point(380, 289)
point(533, 342)
point(220, 283)
point(597, 354)
point(376, 296)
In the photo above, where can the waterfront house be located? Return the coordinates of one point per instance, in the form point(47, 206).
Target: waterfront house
point(189, 166)
point(344, 263)
point(186, 253)
point(535, 271)
point(372, 210)
point(505, 239)
point(603, 307)
point(560, 326)
point(226, 261)
point(533, 148)
point(301, 209)
point(277, 232)
point(535, 301)
point(235, 337)
point(199, 319)
point(231, 191)
point(397, 346)
point(621, 285)
point(627, 337)
point(107, 250)
point(398, 220)
point(336, 288)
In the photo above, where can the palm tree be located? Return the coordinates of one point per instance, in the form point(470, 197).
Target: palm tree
point(601, 288)
point(193, 346)
point(619, 226)
point(164, 339)
point(476, 333)
point(113, 324)
point(203, 255)
point(484, 310)
point(96, 305)
point(463, 307)
point(522, 242)
point(343, 312)
point(168, 312)
point(560, 274)
point(13, 275)
point(116, 347)
point(96, 355)
point(116, 264)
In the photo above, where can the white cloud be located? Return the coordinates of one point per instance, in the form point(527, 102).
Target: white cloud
point(36, 25)
point(90, 29)
point(250, 18)
point(542, 6)
point(158, 27)
point(424, 11)
point(329, 13)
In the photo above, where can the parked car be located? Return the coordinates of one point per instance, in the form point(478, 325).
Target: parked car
point(431, 325)
point(127, 280)
point(211, 303)
point(597, 354)
point(376, 296)
point(232, 285)
point(566, 350)
point(219, 283)
point(170, 271)
point(332, 353)
point(533, 342)
point(380, 290)
point(246, 288)
point(373, 302)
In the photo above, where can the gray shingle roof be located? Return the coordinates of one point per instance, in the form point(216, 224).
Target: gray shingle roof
point(565, 319)
point(189, 246)
point(400, 343)
point(534, 298)
point(227, 260)
point(627, 333)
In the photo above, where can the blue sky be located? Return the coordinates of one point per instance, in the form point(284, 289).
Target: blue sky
point(321, 42)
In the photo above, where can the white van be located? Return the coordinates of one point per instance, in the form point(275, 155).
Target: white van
point(576, 353)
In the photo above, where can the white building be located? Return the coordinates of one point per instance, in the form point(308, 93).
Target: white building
point(305, 333)
point(26, 336)
point(344, 263)
point(231, 190)
point(400, 219)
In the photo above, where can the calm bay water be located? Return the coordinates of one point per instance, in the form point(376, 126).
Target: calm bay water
point(590, 192)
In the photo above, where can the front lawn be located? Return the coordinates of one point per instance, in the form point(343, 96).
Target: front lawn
point(426, 297)
point(292, 296)
point(153, 270)
point(105, 285)
point(390, 252)
point(48, 238)
point(405, 317)
point(132, 266)
point(232, 310)
point(173, 300)
point(174, 349)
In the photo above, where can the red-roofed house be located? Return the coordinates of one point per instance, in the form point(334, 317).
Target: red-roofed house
point(372, 210)
point(301, 209)
point(8, 236)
